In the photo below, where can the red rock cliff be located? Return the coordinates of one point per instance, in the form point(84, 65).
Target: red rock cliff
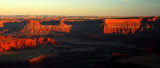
point(1, 24)
point(122, 26)
point(24, 43)
point(34, 27)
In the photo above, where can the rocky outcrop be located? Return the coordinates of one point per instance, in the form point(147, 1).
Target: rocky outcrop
point(38, 59)
point(13, 43)
point(2, 37)
point(3, 31)
point(152, 19)
point(34, 27)
point(1, 24)
point(121, 26)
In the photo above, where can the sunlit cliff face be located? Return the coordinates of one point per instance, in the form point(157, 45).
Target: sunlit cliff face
point(1, 24)
point(121, 26)
point(14, 43)
point(35, 28)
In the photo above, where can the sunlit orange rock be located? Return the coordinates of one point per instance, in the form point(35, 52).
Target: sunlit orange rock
point(1, 49)
point(50, 41)
point(40, 40)
point(24, 43)
point(38, 59)
point(33, 22)
point(2, 37)
point(121, 26)
point(9, 36)
point(1, 24)
point(35, 28)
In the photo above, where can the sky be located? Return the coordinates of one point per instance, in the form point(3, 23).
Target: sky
point(81, 7)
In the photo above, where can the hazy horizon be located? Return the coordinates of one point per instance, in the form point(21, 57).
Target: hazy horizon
point(81, 7)
point(71, 15)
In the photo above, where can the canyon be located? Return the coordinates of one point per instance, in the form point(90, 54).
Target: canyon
point(58, 41)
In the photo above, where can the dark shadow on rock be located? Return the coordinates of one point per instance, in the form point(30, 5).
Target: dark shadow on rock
point(13, 26)
point(150, 27)
point(50, 22)
point(87, 27)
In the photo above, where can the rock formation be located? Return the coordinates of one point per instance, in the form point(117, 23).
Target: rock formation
point(34, 27)
point(13, 43)
point(121, 26)
point(38, 59)
point(1, 24)
point(3, 31)
point(152, 19)
point(2, 37)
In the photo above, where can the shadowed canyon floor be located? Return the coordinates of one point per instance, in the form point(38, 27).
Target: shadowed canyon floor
point(60, 42)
